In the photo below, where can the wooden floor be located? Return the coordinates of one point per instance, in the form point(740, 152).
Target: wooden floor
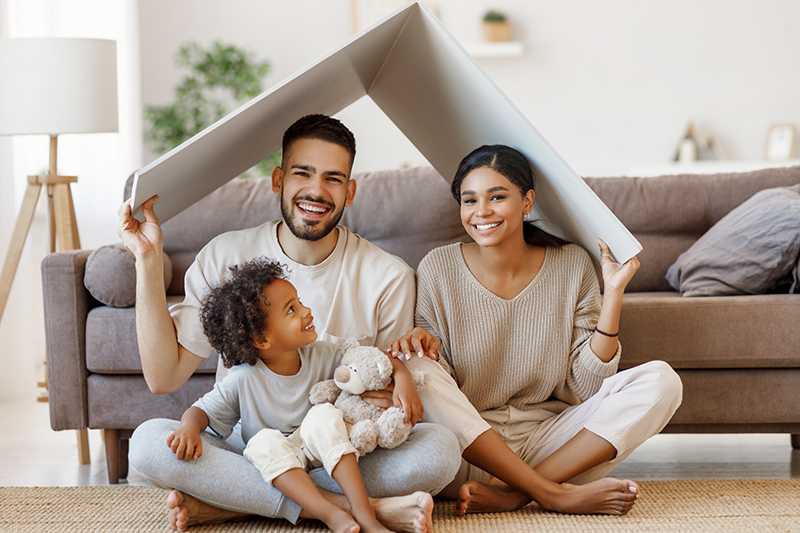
point(31, 454)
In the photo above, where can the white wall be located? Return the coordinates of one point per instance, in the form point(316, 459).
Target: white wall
point(609, 83)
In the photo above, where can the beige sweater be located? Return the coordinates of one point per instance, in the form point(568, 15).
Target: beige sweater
point(531, 352)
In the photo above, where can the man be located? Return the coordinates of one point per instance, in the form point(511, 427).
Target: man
point(357, 292)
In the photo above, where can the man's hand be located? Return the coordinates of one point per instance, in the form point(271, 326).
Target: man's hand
point(185, 442)
point(418, 341)
point(140, 238)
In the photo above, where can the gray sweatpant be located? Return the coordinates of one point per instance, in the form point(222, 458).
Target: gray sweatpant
point(222, 477)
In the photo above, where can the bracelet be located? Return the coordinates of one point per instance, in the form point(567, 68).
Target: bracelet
point(604, 333)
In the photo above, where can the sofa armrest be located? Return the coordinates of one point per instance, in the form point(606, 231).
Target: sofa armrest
point(66, 305)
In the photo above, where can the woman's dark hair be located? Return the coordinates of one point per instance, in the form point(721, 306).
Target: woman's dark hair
point(323, 128)
point(234, 314)
point(515, 167)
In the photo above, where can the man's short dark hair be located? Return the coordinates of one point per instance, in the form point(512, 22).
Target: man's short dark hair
point(234, 314)
point(323, 128)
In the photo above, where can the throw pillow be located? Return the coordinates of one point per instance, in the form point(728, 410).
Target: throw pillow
point(749, 251)
point(110, 275)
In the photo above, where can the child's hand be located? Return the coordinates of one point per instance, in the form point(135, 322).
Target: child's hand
point(185, 442)
point(405, 396)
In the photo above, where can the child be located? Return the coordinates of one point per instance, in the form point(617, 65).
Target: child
point(256, 318)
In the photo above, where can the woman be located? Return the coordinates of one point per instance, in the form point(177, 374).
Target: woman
point(525, 337)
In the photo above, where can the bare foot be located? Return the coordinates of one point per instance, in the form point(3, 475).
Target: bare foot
point(185, 511)
point(605, 496)
point(494, 497)
point(342, 522)
point(406, 514)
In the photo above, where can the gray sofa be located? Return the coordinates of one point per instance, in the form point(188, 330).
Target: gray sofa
point(738, 356)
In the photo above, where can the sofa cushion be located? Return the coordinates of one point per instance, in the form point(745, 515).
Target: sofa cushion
point(667, 214)
point(110, 275)
point(747, 252)
point(753, 331)
point(111, 346)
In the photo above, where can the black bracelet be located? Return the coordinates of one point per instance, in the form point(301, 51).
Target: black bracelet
point(605, 334)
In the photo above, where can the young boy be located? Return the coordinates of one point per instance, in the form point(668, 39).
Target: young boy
point(256, 318)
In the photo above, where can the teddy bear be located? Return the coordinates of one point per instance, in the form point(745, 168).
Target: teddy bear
point(366, 368)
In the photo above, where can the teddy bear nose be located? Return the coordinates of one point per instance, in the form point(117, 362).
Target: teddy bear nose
point(342, 374)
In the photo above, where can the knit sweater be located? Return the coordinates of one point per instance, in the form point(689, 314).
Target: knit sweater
point(532, 351)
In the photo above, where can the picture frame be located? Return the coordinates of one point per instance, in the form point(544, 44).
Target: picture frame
point(781, 141)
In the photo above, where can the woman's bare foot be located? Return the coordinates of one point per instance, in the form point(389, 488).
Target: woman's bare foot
point(406, 514)
point(494, 497)
point(605, 496)
point(185, 511)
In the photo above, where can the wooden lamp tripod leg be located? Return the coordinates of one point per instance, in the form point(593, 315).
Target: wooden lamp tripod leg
point(18, 237)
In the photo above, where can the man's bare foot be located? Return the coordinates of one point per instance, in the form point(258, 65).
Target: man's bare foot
point(185, 511)
point(406, 514)
point(605, 496)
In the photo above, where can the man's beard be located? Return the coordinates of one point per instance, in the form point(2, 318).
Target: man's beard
point(309, 230)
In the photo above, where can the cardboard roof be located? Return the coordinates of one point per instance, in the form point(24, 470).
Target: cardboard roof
point(429, 86)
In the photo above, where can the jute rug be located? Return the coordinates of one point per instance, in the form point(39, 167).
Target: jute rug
point(718, 506)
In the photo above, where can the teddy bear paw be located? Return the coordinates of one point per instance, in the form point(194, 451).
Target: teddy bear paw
point(392, 428)
point(364, 436)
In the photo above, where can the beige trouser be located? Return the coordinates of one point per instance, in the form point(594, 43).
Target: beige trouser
point(630, 407)
point(321, 440)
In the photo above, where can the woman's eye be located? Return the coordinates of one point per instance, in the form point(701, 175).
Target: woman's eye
point(498, 197)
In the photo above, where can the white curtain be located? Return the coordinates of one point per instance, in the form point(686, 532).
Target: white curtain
point(102, 163)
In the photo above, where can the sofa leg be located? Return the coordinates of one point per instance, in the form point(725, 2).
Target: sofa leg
point(111, 436)
point(124, 436)
point(796, 441)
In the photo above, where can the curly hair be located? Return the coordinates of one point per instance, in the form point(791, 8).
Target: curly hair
point(234, 315)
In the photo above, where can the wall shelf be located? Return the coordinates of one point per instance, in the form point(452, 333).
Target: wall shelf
point(500, 49)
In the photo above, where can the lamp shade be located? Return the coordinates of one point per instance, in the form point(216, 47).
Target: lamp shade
point(58, 85)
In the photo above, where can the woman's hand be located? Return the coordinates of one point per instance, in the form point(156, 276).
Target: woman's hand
point(615, 276)
point(418, 341)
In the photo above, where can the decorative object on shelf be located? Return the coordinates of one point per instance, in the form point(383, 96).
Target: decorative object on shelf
point(496, 27)
point(53, 86)
point(218, 77)
point(695, 146)
point(780, 142)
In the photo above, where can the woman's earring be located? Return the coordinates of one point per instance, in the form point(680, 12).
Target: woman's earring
point(526, 217)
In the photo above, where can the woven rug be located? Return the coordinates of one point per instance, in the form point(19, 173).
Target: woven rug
point(688, 506)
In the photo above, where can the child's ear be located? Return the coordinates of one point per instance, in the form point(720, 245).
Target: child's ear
point(262, 344)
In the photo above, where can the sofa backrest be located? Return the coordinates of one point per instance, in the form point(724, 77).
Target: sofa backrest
point(408, 212)
point(668, 214)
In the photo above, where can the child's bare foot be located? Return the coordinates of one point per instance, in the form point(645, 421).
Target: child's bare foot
point(605, 496)
point(371, 525)
point(341, 522)
point(185, 511)
point(406, 514)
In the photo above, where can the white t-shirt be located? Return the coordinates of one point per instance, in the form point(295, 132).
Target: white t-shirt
point(359, 292)
point(263, 399)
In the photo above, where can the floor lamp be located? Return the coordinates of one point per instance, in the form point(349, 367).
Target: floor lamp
point(53, 86)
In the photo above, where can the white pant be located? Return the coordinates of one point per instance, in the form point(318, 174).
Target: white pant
point(321, 440)
point(630, 407)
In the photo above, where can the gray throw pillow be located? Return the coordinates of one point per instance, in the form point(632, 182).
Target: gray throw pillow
point(749, 251)
point(111, 275)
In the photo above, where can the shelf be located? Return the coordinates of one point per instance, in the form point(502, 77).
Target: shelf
point(502, 49)
point(706, 167)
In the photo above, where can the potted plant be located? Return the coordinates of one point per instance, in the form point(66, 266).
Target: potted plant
point(219, 77)
point(496, 27)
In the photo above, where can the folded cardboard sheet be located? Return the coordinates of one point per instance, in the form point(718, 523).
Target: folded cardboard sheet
point(429, 86)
